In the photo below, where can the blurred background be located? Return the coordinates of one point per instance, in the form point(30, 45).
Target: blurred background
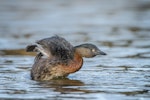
point(121, 28)
point(23, 22)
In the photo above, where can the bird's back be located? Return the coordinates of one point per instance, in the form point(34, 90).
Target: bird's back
point(54, 47)
point(58, 47)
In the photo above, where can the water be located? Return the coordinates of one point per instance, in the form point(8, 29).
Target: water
point(121, 28)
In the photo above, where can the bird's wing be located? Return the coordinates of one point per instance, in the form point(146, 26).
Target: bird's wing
point(54, 46)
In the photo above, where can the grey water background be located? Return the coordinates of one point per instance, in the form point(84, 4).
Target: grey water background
point(121, 28)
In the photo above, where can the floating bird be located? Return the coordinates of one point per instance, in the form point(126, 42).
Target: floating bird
point(57, 58)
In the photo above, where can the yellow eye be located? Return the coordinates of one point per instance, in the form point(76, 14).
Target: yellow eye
point(93, 50)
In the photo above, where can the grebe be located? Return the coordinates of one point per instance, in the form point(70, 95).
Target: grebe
point(57, 58)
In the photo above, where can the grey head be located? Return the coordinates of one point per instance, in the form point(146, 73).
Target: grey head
point(88, 50)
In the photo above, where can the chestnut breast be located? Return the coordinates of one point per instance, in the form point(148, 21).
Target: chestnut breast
point(65, 69)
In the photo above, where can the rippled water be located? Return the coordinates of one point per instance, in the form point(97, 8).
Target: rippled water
point(121, 28)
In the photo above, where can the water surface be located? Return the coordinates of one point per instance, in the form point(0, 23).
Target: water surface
point(121, 28)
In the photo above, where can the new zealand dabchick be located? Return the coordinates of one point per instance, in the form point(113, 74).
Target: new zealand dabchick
point(57, 58)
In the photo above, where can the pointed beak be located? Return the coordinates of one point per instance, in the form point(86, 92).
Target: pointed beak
point(99, 52)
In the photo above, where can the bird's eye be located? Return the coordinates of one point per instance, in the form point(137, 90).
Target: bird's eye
point(93, 50)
